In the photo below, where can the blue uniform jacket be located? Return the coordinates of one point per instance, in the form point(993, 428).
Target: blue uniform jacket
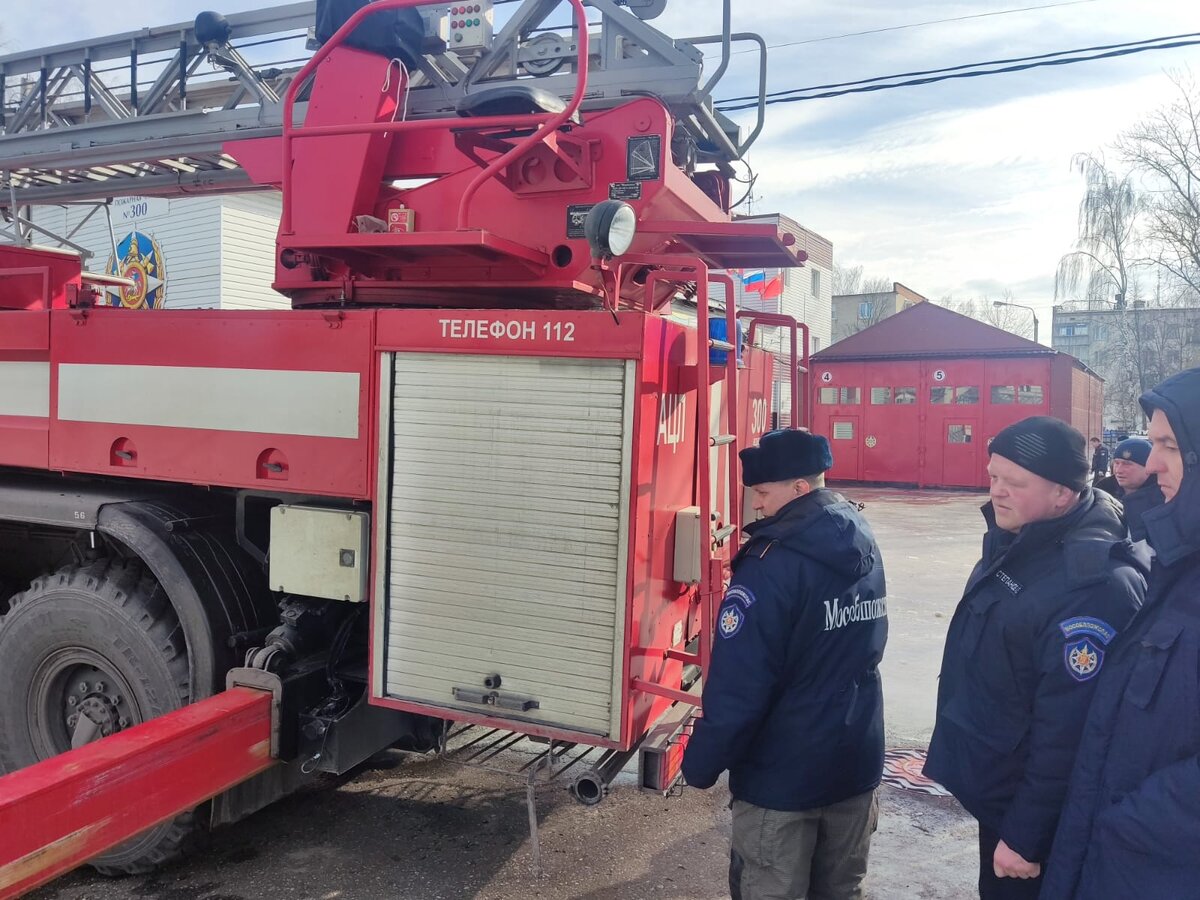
point(1022, 653)
point(1138, 503)
point(793, 705)
point(1131, 823)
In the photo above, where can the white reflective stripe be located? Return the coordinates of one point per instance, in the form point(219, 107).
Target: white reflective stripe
point(25, 389)
point(270, 401)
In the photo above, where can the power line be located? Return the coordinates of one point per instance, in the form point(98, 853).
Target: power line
point(850, 34)
point(974, 65)
point(867, 88)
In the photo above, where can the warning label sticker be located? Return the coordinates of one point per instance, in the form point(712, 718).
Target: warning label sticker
point(575, 216)
point(642, 158)
point(625, 190)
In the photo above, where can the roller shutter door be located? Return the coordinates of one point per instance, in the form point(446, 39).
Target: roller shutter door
point(506, 535)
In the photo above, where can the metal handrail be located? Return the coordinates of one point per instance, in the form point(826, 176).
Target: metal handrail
point(711, 567)
point(725, 39)
point(800, 363)
point(547, 122)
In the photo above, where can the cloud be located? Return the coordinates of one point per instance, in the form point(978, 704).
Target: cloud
point(961, 187)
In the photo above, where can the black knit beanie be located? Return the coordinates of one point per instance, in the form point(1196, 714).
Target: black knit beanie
point(1047, 447)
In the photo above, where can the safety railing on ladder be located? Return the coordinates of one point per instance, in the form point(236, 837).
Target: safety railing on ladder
point(544, 123)
point(799, 364)
point(721, 532)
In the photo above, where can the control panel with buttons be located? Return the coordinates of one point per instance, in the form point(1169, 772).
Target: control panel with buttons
point(467, 26)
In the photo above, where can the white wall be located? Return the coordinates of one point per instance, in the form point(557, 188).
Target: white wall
point(218, 251)
point(248, 226)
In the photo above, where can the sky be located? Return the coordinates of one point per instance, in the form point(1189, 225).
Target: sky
point(962, 189)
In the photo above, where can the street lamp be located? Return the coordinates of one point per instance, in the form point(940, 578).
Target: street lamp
point(1022, 306)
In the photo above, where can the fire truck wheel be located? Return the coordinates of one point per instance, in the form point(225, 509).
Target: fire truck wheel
point(92, 650)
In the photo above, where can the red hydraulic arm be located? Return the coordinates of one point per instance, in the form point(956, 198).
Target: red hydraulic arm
point(60, 813)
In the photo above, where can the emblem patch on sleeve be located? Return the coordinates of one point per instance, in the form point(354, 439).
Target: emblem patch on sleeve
point(730, 620)
point(1083, 659)
point(1084, 651)
point(743, 595)
point(1085, 626)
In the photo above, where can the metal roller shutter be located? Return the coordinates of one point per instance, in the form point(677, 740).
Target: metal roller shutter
point(507, 513)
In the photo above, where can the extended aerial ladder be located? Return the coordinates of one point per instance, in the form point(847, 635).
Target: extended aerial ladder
point(80, 122)
point(529, 175)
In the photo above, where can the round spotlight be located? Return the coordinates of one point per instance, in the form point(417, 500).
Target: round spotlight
point(212, 28)
point(610, 227)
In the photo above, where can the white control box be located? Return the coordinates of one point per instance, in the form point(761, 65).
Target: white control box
point(319, 552)
point(687, 545)
point(467, 26)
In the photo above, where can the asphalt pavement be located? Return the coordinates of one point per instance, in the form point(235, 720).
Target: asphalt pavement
point(425, 829)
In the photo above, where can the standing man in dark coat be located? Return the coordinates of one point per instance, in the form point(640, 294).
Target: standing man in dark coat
point(1131, 824)
point(1136, 488)
point(1058, 581)
point(1099, 460)
point(793, 705)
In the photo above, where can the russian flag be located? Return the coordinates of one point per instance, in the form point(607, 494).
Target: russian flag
point(757, 277)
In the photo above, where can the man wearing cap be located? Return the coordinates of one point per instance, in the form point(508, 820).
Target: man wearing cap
point(1058, 581)
point(793, 705)
point(1131, 823)
point(1136, 488)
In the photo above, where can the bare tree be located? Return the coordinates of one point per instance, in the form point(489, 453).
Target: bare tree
point(877, 298)
point(850, 280)
point(1008, 318)
point(1165, 149)
point(846, 280)
point(1101, 264)
point(876, 310)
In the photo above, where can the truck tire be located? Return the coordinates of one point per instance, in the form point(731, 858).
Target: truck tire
point(86, 652)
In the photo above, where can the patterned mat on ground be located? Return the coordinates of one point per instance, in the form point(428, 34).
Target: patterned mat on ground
point(902, 769)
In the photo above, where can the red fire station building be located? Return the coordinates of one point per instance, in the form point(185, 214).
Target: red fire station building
point(917, 398)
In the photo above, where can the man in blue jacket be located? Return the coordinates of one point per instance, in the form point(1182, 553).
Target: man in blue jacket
point(1136, 488)
point(793, 706)
point(1131, 823)
point(1059, 579)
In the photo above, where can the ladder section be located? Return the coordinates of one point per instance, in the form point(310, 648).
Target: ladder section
point(717, 535)
point(148, 111)
point(713, 556)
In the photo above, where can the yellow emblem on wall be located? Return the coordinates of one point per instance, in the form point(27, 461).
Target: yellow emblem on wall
point(139, 258)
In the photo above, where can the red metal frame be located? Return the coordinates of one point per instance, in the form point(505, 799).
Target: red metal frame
point(799, 365)
point(547, 123)
point(60, 813)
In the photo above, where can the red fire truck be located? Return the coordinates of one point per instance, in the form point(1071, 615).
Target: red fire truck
point(484, 470)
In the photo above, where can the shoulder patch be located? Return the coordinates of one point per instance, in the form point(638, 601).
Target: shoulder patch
point(1083, 659)
point(730, 620)
point(743, 595)
point(1086, 626)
